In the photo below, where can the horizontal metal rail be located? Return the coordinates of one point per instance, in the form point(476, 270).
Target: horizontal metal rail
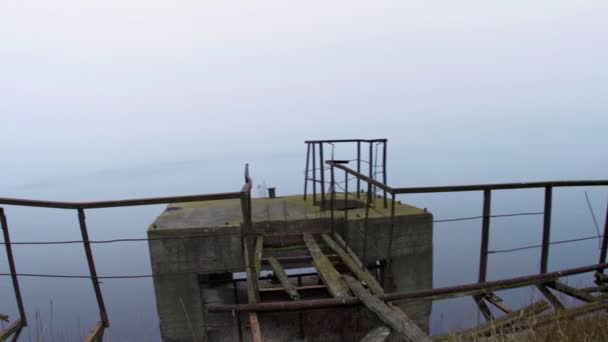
point(123, 203)
point(437, 293)
point(500, 186)
point(345, 141)
point(361, 176)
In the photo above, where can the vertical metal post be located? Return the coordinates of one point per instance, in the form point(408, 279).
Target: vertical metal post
point(333, 199)
point(345, 209)
point(544, 259)
point(12, 267)
point(390, 240)
point(371, 166)
point(306, 172)
point(314, 174)
point(485, 235)
point(322, 169)
point(92, 270)
point(384, 171)
point(604, 242)
point(358, 168)
point(367, 205)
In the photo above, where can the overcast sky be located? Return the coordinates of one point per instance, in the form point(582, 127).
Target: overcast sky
point(117, 82)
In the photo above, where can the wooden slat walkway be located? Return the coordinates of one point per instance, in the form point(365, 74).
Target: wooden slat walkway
point(328, 273)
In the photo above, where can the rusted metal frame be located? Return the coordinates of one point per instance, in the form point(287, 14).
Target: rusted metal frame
point(362, 177)
point(345, 140)
point(322, 169)
point(92, 270)
point(368, 203)
point(118, 203)
point(306, 169)
point(358, 169)
point(604, 242)
point(371, 165)
point(332, 200)
point(384, 172)
point(544, 258)
point(314, 174)
point(389, 253)
point(485, 235)
point(345, 210)
point(96, 334)
point(12, 330)
point(436, 293)
point(499, 186)
point(11, 263)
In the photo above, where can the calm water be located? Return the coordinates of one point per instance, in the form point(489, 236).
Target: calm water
point(64, 309)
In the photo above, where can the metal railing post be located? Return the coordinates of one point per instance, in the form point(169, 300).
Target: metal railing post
point(322, 169)
point(11, 263)
point(314, 174)
point(604, 241)
point(544, 259)
point(91, 262)
point(306, 170)
point(384, 171)
point(333, 199)
point(485, 235)
point(345, 209)
point(358, 168)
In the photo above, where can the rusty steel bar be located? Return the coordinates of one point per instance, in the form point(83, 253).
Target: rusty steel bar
point(368, 203)
point(314, 174)
point(604, 240)
point(345, 140)
point(345, 210)
point(91, 262)
point(371, 162)
point(384, 171)
point(544, 258)
point(118, 203)
point(321, 168)
point(390, 240)
point(485, 235)
point(333, 199)
point(449, 291)
point(358, 169)
point(500, 186)
point(11, 263)
point(362, 177)
point(306, 172)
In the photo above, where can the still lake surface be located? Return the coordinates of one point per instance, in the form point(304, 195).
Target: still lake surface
point(65, 309)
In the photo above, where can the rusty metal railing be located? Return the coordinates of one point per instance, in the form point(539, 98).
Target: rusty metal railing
point(96, 334)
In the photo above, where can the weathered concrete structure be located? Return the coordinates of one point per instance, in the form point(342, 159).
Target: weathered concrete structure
point(201, 242)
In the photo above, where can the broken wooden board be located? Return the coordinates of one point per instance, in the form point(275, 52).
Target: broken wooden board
point(571, 291)
point(483, 307)
point(380, 334)
point(253, 295)
point(328, 273)
point(282, 276)
point(357, 270)
point(96, 334)
point(398, 321)
point(14, 328)
point(257, 256)
point(550, 297)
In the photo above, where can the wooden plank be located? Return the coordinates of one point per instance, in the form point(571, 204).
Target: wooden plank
point(571, 291)
point(550, 297)
point(341, 241)
point(380, 334)
point(483, 308)
point(256, 333)
point(398, 321)
point(357, 270)
point(297, 288)
point(498, 324)
point(328, 273)
point(282, 276)
point(253, 295)
point(497, 302)
point(257, 256)
point(96, 334)
point(10, 330)
point(570, 313)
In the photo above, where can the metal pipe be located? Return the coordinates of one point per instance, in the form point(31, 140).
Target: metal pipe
point(371, 161)
point(485, 235)
point(91, 262)
point(500, 186)
point(358, 169)
point(544, 259)
point(314, 174)
point(445, 292)
point(333, 200)
point(368, 203)
point(11, 263)
point(321, 167)
point(384, 170)
point(306, 172)
point(361, 176)
point(390, 240)
point(345, 140)
point(604, 240)
point(345, 210)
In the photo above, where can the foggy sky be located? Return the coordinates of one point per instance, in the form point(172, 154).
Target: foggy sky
point(107, 83)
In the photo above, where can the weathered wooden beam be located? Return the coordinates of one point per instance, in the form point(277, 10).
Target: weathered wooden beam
point(497, 302)
point(253, 295)
point(397, 321)
point(483, 308)
point(96, 334)
point(570, 313)
point(380, 334)
point(282, 276)
point(357, 270)
point(254, 326)
point(10, 330)
point(257, 256)
point(341, 241)
point(297, 288)
point(328, 273)
point(550, 297)
point(571, 291)
point(498, 324)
